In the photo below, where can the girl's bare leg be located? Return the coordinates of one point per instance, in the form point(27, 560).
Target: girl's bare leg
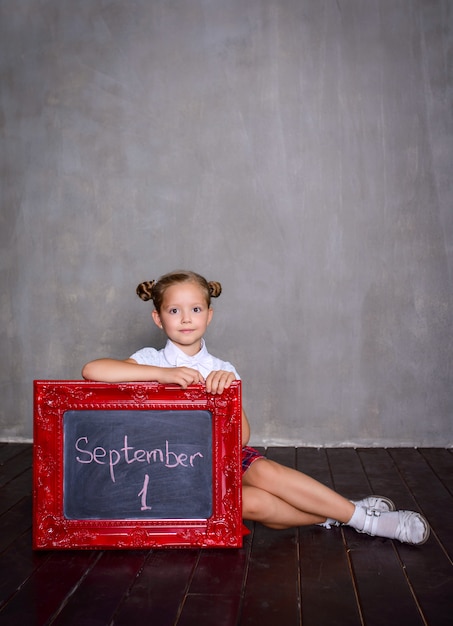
point(259, 505)
point(297, 495)
point(281, 497)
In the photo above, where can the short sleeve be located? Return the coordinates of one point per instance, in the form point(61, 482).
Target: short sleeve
point(147, 356)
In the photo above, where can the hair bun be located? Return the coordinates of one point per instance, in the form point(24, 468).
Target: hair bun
point(145, 290)
point(215, 288)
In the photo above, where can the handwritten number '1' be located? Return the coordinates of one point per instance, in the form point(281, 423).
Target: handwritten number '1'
point(143, 494)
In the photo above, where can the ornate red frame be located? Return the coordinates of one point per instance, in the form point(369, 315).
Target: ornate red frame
point(52, 530)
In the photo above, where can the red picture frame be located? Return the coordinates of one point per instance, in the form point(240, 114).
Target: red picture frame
point(52, 529)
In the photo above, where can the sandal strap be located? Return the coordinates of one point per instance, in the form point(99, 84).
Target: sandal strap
point(371, 522)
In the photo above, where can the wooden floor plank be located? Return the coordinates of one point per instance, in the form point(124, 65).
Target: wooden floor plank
point(430, 574)
point(215, 592)
point(284, 455)
point(314, 462)
point(46, 590)
point(220, 572)
point(15, 522)
point(327, 585)
point(205, 610)
point(272, 594)
point(378, 572)
point(328, 594)
point(159, 591)
point(100, 592)
point(441, 462)
point(384, 477)
point(10, 450)
point(429, 568)
point(403, 472)
point(15, 464)
point(17, 564)
point(432, 498)
point(349, 478)
point(381, 582)
point(15, 490)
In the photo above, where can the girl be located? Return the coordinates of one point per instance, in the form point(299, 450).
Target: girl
point(275, 495)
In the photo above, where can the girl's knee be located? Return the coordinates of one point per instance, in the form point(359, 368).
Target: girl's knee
point(254, 505)
point(262, 472)
point(260, 506)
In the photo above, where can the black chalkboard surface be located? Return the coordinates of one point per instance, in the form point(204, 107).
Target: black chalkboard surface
point(137, 464)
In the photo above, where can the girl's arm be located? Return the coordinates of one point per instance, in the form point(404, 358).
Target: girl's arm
point(216, 382)
point(117, 371)
point(245, 429)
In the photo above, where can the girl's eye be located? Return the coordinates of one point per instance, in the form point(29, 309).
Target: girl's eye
point(197, 309)
point(173, 311)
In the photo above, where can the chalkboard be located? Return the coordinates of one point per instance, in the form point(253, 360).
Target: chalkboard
point(136, 465)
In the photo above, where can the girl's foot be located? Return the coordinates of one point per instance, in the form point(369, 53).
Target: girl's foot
point(406, 526)
point(374, 503)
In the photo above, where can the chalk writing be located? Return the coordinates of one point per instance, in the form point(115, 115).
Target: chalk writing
point(128, 454)
point(143, 493)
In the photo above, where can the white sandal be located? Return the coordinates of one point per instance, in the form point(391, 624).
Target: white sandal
point(412, 527)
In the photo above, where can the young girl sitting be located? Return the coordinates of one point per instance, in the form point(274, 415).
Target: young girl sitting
point(275, 495)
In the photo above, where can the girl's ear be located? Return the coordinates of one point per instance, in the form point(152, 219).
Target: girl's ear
point(156, 318)
point(210, 314)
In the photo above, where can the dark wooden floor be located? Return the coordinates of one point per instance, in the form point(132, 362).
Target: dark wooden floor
point(309, 576)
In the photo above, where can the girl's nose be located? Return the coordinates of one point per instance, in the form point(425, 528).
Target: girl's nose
point(186, 317)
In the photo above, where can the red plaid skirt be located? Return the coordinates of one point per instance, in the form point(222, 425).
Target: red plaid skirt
point(248, 456)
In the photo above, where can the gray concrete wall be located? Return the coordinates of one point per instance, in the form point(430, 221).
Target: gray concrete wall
point(298, 151)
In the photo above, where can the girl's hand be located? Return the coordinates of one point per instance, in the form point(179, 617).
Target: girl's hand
point(182, 376)
point(217, 381)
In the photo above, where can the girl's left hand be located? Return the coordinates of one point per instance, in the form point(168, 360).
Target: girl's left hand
point(217, 381)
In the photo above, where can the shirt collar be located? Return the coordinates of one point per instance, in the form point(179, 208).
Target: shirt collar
point(175, 357)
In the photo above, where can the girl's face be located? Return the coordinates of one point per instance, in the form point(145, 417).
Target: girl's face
point(184, 316)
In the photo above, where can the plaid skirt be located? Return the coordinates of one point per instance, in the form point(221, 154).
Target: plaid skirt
point(248, 456)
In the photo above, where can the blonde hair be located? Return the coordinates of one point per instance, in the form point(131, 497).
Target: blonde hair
point(155, 290)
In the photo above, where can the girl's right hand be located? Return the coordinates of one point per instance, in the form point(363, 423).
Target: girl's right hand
point(182, 376)
point(218, 381)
